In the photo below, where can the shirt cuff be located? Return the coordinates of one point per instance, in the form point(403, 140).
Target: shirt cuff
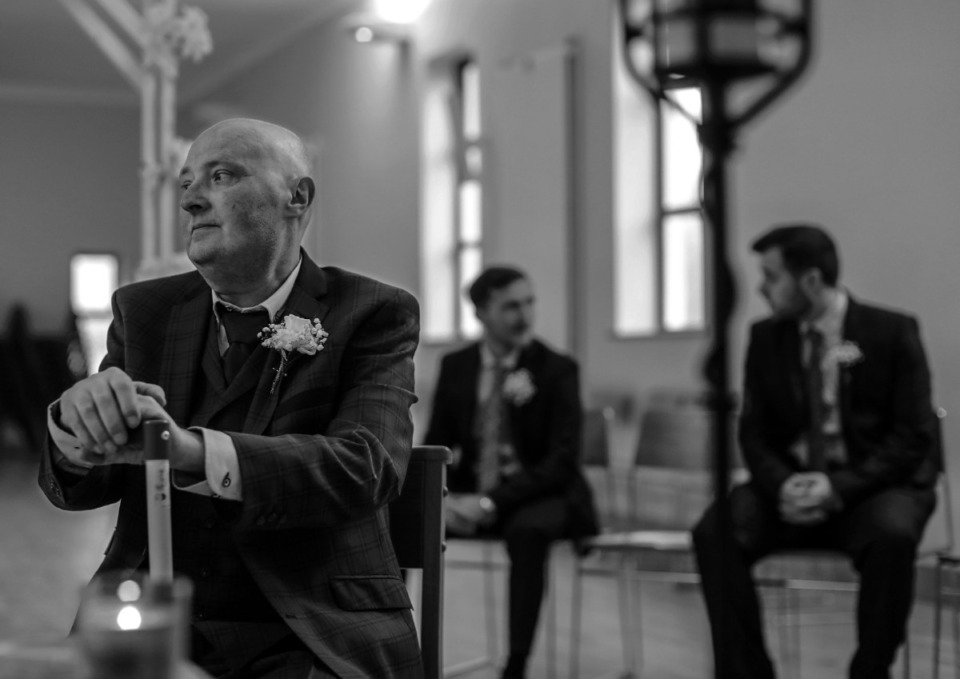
point(68, 452)
point(221, 467)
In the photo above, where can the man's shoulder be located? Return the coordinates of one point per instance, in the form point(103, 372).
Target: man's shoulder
point(165, 290)
point(880, 314)
point(463, 353)
point(342, 283)
point(542, 353)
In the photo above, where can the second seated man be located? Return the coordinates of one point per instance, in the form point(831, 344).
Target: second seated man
point(510, 406)
point(841, 442)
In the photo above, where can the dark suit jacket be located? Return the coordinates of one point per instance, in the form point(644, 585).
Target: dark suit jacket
point(889, 426)
point(545, 431)
point(320, 458)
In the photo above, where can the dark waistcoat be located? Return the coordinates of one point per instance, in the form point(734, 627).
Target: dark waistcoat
point(229, 609)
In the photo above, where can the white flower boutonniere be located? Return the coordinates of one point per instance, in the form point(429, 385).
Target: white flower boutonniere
point(518, 387)
point(293, 335)
point(844, 354)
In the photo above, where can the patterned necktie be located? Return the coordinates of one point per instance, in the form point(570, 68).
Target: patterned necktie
point(813, 376)
point(492, 431)
point(242, 329)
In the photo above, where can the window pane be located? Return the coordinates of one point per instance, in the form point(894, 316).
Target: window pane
point(471, 226)
point(635, 290)
point(93, 336)
point(683, 267)
point(682, 156)
point(438, 240)
point(473, 160)
point(470, 92)
point(471, 262)
point(93, 278)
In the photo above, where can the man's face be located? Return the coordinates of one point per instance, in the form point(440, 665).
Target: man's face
point(507, 317)
point(780, 288)
point(233, 194)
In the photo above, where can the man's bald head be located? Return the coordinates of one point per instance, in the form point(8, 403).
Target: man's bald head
point(286, 145)
point(246, 197)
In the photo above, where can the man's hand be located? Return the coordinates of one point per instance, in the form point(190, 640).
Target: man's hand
point(102, 410)
point(466, 513)
point(807, 498)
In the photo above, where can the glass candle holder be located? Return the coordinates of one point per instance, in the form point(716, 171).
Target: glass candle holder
point(130, 627)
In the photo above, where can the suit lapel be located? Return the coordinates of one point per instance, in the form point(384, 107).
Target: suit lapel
point(852, 332)
point(307, 300)
point(187, 333)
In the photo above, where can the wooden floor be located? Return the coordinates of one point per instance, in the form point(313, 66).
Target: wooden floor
point(46, 555)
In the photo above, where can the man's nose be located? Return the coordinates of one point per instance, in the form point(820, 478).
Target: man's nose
point(192, 200)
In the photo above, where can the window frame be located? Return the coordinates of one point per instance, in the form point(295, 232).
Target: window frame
point(661, 214)
point(449, 73)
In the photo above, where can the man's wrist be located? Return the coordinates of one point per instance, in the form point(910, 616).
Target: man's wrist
point(489, 508)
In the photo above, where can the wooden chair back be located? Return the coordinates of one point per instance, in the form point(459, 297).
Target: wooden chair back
point(417, 532)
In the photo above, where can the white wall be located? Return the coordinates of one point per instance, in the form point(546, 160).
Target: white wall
point(68, 183)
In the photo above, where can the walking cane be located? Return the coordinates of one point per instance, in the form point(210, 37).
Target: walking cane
point(156, 446)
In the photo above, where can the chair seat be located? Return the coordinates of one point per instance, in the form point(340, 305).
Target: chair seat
point(659, 540)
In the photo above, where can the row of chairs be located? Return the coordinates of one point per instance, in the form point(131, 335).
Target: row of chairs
point(673, 433)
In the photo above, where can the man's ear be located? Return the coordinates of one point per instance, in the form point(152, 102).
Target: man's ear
point(303, 194)
point(811, 280)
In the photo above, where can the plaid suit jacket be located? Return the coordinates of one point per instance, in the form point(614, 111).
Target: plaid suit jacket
point(320, 458)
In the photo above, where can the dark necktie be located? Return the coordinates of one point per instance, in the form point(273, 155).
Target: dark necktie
point(814, 383)
point(242, 329)
point(492, 430)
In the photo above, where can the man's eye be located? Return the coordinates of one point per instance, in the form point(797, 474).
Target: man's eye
point(220, 175)
point(184, 186)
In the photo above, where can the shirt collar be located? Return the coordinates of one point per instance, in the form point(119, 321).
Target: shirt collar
point(489, 360)
point(830, 322)
point(272, 304)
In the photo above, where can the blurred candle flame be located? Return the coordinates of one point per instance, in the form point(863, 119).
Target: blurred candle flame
point(128, 618)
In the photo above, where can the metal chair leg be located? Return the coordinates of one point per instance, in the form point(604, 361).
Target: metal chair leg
point(628, 638)
point(937, 574)
point(550, 629)
point(906, 653)
point(576, 593)
point(490, 604)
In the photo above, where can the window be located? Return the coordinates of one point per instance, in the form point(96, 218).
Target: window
point(93, 279)
point(659, 238)
point(452, 223)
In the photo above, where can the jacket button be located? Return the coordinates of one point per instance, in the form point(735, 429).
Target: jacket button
point(209, 523)
point(204, 572)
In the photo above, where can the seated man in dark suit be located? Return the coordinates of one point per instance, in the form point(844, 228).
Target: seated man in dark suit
point(510, 406)
point(286, 447)
point(840, 438)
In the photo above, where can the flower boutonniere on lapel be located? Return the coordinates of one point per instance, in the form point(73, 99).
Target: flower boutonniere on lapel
point(293, 336)
point(844, 355)
point(518, 387)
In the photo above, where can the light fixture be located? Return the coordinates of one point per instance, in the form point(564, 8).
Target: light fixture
point(760, 48)
point(368, 28)
point(400, 11)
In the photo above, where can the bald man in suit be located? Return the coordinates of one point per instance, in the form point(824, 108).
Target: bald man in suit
point(283, 469)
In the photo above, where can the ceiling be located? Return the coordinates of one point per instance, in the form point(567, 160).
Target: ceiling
point(46, 56)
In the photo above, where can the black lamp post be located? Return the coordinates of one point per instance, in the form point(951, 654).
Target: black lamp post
point(758, 48)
